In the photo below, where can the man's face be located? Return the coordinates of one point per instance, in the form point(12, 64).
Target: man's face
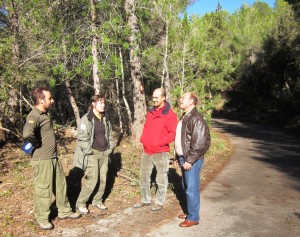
point(185, 102)
point(48, 101)
point(99, 105)
point(158, 99)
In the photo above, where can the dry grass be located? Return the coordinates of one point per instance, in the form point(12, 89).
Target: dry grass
point(16, 205)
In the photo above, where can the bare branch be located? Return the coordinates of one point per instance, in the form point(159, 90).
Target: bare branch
point(128, 178)
point(28, 59)
point(17, 134)
point(31, 106)
point(5, 129)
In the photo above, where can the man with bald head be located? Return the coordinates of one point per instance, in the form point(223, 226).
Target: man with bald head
point(159, 131)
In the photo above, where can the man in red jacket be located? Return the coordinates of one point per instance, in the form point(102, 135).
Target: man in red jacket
point(159, 131)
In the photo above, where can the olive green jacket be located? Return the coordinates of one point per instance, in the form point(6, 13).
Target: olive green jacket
point(38, 130)
point(85, 138)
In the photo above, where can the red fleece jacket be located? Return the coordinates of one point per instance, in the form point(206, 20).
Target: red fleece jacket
point(159, 130)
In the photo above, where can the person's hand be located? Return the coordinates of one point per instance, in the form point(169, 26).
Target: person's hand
point(187, 166)
point(108, 152)
point(176, 164)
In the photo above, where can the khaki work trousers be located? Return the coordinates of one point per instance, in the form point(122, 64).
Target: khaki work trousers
point(161, 162)
point(49, 177)
point(96, 171)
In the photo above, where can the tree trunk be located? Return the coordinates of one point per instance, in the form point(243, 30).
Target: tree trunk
point(13, 93)
point(139, 101)
point(2, 135)
point(2, 132)
point(119, 107)
point(73, 103)
point(118, 101)
point(94, 50)
point(165, 82)
point(68, 87)
point(123, 92)
point(183, 69)
point(252, 60)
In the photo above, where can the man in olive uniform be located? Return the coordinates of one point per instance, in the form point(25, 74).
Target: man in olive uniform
point(48, 171)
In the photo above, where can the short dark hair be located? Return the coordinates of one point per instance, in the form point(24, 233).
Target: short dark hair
point(37, 94)
point(194, 98)
point(96, 98)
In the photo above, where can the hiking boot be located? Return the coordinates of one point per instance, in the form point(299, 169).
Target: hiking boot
point(71, 215)
point(141, 204)
point(101, 206)
point(157, 207)
point(82, 210)
point(45, 225)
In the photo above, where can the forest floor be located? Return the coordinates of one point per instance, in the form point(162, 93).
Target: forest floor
point(122, 192)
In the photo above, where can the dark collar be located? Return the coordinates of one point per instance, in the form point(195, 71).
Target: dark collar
point(165, 109)
point(192, 112)
point(40, 112)
point(90, 115)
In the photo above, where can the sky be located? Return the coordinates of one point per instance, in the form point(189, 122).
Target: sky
point(201, 7)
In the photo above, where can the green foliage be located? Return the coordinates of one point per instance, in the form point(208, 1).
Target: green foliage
point(269, 66)
point(254, 50)
point(218, 145)
point(52, 83)
point(58, 69)
point(203, 57)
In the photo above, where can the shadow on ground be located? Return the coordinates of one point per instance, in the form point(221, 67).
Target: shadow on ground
point(76, 175)
point(276, 147)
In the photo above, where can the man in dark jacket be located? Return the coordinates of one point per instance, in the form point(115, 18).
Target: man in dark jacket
point(159, 131)
point(191, 142)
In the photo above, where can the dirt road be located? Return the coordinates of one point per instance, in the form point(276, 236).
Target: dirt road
point(258, 192)
point(256, 195)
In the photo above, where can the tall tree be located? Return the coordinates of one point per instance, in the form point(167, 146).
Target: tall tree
point(164, 9)
point(94, 48)
point(16, 58)
point(250, 27)
point(282, 53)
point(210, 69)
point(123, 90)
point(139, 101)
point(68, 84)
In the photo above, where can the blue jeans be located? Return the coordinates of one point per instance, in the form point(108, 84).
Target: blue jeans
point(191, 187)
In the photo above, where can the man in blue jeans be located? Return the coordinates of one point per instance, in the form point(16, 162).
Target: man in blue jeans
point(192, 140)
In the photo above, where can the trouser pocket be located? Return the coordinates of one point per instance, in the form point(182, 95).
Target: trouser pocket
point(42, 190)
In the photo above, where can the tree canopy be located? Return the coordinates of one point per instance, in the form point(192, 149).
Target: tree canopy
point(127, 48)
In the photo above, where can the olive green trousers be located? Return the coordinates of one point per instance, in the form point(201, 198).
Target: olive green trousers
point(95, 172)
point(49, 178)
